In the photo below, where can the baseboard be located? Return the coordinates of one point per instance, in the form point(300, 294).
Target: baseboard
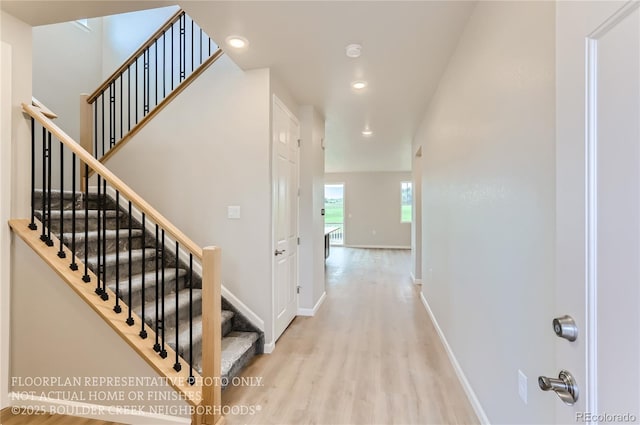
point(471, 395)
point(314, 310)
point(184, 257)
point(414, 280)
point(378, 246)
point(95, 411)
point(269, 347)
point(243, 309)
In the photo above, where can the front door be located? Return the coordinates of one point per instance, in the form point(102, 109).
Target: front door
point(286, 132)
point(598, 208)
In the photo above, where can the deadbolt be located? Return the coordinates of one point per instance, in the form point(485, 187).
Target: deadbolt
point(565, 386)
point(565, 327)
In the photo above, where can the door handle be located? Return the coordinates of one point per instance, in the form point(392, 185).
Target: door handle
point(565, 386)
point(280, 252)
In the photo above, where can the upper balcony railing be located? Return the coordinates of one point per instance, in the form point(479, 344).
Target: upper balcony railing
point(152, 76)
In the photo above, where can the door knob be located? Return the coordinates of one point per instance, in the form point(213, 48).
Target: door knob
point(280, 252)
point(565, 386)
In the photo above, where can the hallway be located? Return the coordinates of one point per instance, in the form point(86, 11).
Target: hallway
point(369, 356)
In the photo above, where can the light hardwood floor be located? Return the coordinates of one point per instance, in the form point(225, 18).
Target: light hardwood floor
point(370, 356)
point(8, 418)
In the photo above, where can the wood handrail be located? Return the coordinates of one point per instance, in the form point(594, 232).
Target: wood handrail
point(45, 111)
point(155, 111)
point(114, 181)
point(172, 20)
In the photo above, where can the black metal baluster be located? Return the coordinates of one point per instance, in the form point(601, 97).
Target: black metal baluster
point(156, 347)
point(163, 351)
point(102, 97)
point(173, 41)
point(192, 47)
point(130, 318)
point(95, 128)
point(117, 307)
point(33, 225)
point(177, 366)
point(105, 295)
point(121, 102)
point(86, 278)
point(73, 266)
point(49, 241)
point(156, 71)
point(143, 332)
point(43, 236)
point(129, 98)
point(98, 271)
point(209, 46)
point(61, 253)
point(112, 113)
point(147, 82)
point(136, 91)
point(183, 48)
point(200, 46)
point(192, 379)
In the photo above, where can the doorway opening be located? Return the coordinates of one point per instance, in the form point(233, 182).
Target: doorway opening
point(334, 213)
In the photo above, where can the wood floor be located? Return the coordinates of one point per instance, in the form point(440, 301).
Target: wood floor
point(369, 356)
point(8, 418)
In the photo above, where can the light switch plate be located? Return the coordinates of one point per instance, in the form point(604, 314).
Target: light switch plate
point(233, 212)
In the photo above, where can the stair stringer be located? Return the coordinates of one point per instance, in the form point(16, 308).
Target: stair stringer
point(192, 394)
point(229, 301)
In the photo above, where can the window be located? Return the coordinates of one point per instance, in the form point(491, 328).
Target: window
point(406, 200)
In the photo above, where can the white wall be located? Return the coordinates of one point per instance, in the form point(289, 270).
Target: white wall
point(416, 216)
point(312, 283)
point(372, 208)
point(488, 144)
point(66, 339)
point(67, 61)
point(15, 136)
point(124, 33)
point(209, 149)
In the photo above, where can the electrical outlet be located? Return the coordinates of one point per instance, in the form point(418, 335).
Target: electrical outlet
point(522, 386)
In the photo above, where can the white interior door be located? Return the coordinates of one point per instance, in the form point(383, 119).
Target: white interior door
point(286, 132)
point(598, 207)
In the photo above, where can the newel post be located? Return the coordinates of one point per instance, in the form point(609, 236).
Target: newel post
point(211, 336)
point(86, 133)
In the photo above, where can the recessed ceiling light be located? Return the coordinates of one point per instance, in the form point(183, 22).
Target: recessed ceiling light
point(353, 50)
point(367, 132)
point(359, 85)
point(237, 42)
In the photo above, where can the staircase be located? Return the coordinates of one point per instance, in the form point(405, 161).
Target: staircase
point(139, 253)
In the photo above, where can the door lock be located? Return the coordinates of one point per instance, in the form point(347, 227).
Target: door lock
point(565, 327)
point(280, 252)
point(565, 386)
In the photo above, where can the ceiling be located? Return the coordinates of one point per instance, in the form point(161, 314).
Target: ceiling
point(405, 48)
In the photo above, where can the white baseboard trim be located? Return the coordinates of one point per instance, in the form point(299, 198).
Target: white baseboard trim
point(184, 256)
point(243, 309)
point(314, 310)
point(269, 347)
point(471, 395)
point(414, 280)
point(378, 246)
point(95, 411)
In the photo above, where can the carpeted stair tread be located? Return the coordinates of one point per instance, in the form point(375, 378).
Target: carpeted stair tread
point(183, 331)
point(234, 347)
point(136, 255)
point(170, 306)
point(92, 235)
point(149, 280)
point(80, 214)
